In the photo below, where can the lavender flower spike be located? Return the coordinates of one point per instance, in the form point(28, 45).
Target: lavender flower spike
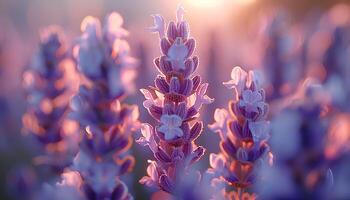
point(106, 123)
point(244, 132)
point(47, 99)
point(174, 102)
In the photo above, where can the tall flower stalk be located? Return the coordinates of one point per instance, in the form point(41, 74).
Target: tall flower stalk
point(243, 131)
point(174, 102)
point(105, 122)
point(47, 99)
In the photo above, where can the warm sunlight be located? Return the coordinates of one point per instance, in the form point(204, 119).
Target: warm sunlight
point(218, 3)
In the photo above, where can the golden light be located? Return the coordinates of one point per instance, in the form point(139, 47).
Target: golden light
point(219, 3)
point(206, 3)
point(216, 12)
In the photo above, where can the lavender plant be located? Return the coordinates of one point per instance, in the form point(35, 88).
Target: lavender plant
point(282, 59)
point(174, 102)
point(47, 101)
point(244, 132)
point(299, 144)
point(106, 123)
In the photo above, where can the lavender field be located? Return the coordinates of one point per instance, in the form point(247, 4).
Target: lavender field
point(174, 100)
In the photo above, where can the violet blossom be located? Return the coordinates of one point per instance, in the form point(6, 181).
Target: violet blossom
point(105, 122)
point(244, 132)
point(47, 99)
point(299, 145)
point(174, 102)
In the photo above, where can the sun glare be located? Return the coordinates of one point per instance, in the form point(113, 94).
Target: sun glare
point(218, 3)
point(206, 3)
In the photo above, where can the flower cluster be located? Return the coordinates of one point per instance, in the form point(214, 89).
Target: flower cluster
point(47, 100)
point(298, 142)
point(174, 102)
point(243, 131)
point(107, 124)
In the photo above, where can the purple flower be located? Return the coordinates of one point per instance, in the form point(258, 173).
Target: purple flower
point(220, 116)
point(174, 102)
point(282, 57)
point(105, 122)
point(147, 137)
point(159, 25)
point(103, 55)
point(243, 132)
point(68, 188)
point(171, 126)
point(251, 101)
point(47, 99)
point(201, 98)
point(177, 54)
point(300, 151)
point(238, 79)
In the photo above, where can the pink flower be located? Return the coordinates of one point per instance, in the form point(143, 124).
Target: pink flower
point(171, 126)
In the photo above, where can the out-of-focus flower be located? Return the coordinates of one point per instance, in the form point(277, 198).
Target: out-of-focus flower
point(68, 188)
point(334, 59)
point(298, 142)
point(103, 55)
point(282, 55)
point(106, 124)
point(174, 102)
point(47, 99)
point(244, 133)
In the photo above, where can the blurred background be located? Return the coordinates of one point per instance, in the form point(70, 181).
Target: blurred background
point(254, 34)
